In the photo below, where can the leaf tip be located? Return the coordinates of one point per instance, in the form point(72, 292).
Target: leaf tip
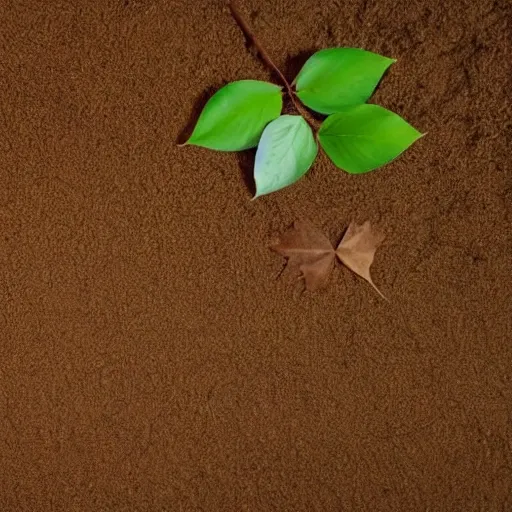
point(379, 292)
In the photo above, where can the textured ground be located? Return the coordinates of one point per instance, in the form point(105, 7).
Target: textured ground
point(153, 356)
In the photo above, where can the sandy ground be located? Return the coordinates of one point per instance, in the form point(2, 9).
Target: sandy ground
point(155, 358)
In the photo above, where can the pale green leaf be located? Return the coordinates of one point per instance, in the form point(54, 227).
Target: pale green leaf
point(335, 78)
point(236, 115)
point(286, 151)
point(362, 138)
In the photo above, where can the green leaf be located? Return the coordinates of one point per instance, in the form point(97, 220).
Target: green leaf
point(286, 151)
point(335, 78)
point(236, 115)
point(362, 138)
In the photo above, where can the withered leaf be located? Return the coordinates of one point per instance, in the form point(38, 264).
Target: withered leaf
point(308, 249)
point(357, 250)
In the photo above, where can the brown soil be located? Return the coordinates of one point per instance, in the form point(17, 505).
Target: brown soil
point(154, 357)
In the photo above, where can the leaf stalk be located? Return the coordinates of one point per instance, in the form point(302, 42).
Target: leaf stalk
point(251, 37)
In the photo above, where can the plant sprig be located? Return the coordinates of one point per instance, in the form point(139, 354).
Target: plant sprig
point(337, 82)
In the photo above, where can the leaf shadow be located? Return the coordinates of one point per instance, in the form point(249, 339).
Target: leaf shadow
point(197, 108)
point(380, 82)
point(246, 164)
point(294, 63)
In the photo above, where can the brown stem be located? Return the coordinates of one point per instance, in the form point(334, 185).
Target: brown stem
point(249, 34)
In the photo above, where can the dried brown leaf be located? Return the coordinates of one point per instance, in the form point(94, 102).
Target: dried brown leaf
point(310, 250)
point(357, 250)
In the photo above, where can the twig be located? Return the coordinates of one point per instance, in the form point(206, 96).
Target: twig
point(249, 34)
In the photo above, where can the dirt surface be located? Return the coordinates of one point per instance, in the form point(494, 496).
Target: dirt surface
point(155, 358)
